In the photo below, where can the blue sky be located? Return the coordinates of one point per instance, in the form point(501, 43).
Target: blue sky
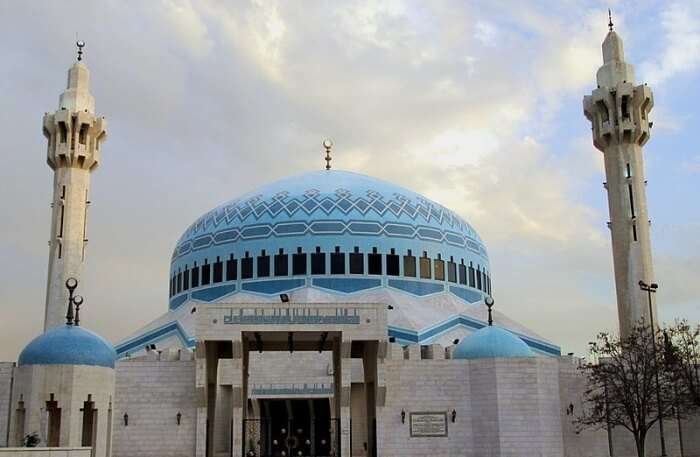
point(475, 104)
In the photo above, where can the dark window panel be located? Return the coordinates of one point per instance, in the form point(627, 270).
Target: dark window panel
point(206, 273)
point(409, 265)
point(299, 263)
point(247, 266)
point(186, 279)
point(263, 265)
point(281, 264)
point(392, 264)
point(357, 262)
point(179, 282)
point(218, 271)
point(439, 268)
point(231, 269)
point(462, 273)
point(478, 278)
point(451, 270)
point(195, 275)
point(337, 262)
point(472, 281)
point(374, 263)
point(318, 262)
point(424, 262)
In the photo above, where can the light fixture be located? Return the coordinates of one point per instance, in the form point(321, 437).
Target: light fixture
point(455, 341)
point(403, 416)
point(178, 417)
point(390, 307)
point(284, 298)
point(454, 416)
point(126, 420)
point(392, 339)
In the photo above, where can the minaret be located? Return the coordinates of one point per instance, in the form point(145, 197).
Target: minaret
point(619, 114)
point(74, 136)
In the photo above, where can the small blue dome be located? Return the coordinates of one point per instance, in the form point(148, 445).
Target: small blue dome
point(491, 342)
point(69, 345)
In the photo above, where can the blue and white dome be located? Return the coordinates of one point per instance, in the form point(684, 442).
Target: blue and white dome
point(68, 345)
point(491, 342)
point(369, 233)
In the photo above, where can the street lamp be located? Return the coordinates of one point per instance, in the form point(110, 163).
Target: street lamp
point(651, 289)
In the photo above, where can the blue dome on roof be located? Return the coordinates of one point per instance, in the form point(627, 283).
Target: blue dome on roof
point(69, 345)
point(249, 243)
point(491, 342)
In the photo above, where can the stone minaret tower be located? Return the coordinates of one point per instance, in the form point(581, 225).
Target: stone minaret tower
point(74, 136)
point(619, 113)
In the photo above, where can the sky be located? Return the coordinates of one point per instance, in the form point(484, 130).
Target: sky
point(477, 105)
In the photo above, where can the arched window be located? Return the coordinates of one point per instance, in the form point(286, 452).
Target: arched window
point(392, 263)
point(206, 273)
point(247, 266)
point(299, 262)
point(318, 262)
point(462, 272)
point(218, 271)
point(374, 263)
point(337, 262)
point(357, 262)
point(195, 276)
point(472, 280)
point(409, 264)
point(186, 279)
point(231, 269)
point(263, 265)
point(452, 270)
point(281, 263)
point(425, 272)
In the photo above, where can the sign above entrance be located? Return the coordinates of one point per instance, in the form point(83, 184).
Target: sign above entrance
point(428, 424)
point(273, 315)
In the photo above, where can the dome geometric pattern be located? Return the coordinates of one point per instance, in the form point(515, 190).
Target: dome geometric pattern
point(69, 345)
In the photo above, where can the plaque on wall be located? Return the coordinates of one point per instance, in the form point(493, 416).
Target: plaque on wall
point(428, 424)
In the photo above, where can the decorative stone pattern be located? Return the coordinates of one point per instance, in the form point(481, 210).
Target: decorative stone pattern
point(152, 392)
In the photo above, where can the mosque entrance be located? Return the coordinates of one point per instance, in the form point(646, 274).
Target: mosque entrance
point(297, 427)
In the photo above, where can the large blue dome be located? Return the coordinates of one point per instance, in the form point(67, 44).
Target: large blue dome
point(491, 342)
point(332, 230)
point(68, 345)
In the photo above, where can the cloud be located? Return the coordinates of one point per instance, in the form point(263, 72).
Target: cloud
point(206, 100)
point(681, 39)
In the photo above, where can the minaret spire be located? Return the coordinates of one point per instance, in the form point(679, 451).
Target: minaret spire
point(610, 22)
point(619, 114)
point(75, 136)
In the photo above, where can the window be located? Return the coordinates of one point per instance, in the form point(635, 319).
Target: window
point(206, 273)
point(186, 279)
point(439, 268)
point(218, 270)
point(195, 275)
point(247, 266)
point(357, 262)
point(472, 281)
point(281, 264)
point(462, 273)
point(63, 131)
point(337, 262)
point(54, 428)
point(374, 263)
point(451, 270)
point(318, 262)
point(179, 282)
point(82, 134)
point(425, 266)
point(170, 287)
point(478, 278)
point(392, 263)
point(231, 269)
point(263, 265)
point(409, 265)
point(299, 263)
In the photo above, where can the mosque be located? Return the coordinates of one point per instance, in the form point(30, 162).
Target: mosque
point(325, 314)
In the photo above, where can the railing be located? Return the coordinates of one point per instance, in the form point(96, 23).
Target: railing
point(282, 389)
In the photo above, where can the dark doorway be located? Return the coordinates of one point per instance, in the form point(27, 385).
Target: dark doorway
point(54, 423)
point(89, 437)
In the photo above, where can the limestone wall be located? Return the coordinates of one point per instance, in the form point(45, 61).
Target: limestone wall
point(45, 452)
point(152, 390)
point(6, 372)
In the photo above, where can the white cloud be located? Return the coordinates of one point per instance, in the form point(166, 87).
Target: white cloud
point(681, 39)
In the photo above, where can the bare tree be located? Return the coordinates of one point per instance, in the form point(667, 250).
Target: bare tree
point(682, 356)
point(628, 382)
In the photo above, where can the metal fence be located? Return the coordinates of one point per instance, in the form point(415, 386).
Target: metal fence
point(266, 437)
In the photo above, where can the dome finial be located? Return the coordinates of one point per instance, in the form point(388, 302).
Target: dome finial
point(328, 145)
point(80, 44)
point(610, 22)
point(489, 304)
point(71, 284)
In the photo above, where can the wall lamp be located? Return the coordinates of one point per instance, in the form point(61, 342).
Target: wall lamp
point(178, 417)
point(403, 416)
point(454, 416)
point(284, 298)
point(126, 420)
